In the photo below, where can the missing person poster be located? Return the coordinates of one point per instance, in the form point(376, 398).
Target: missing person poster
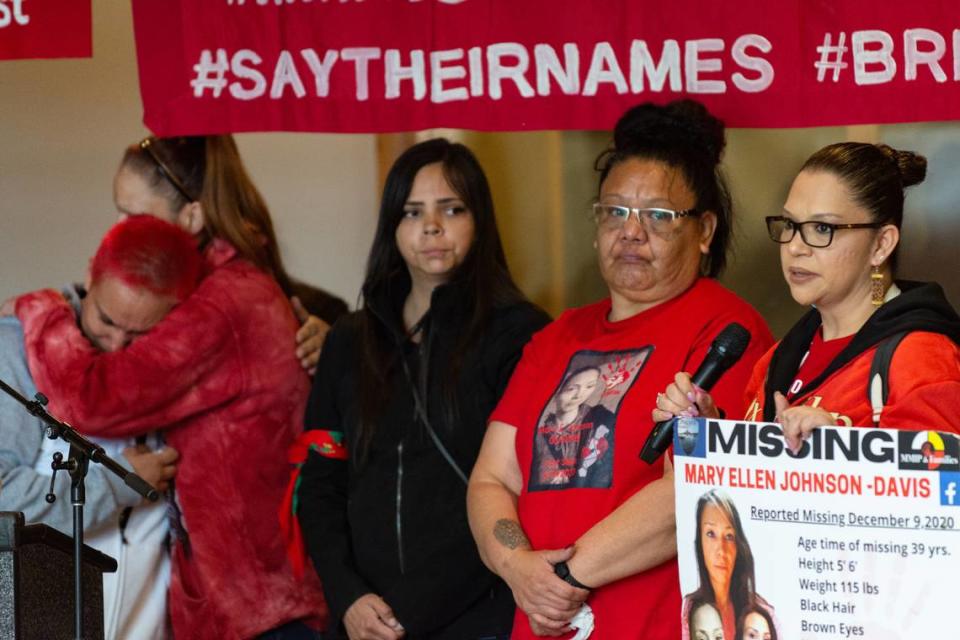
point(855, 536)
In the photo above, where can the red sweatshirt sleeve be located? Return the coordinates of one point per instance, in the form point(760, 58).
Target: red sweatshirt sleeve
point(924, 384)
point(174, 371)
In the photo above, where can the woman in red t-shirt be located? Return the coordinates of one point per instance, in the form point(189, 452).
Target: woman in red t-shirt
point(567, 515)
point(838, 235)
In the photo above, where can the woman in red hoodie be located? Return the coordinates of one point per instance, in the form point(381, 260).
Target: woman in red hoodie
point(838, 235)
point(218, 375)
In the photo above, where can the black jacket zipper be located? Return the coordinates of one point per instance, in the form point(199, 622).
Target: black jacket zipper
point(400, 505)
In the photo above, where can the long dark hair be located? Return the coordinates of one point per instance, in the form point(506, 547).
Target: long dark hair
point(742, 585)
point(483, 274)
point(876, 176)
point(685, 136)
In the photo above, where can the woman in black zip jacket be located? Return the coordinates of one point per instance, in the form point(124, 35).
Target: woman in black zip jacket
point(399, 407)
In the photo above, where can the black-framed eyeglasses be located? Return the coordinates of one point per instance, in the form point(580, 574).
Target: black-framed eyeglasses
point(814, 233)
point(147, 146)
point(655, 219)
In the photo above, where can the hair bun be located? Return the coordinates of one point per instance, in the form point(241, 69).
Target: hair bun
point(681, 123)
point(912, 165)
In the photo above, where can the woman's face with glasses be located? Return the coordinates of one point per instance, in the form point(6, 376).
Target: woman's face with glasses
point(817, 208)
point(647, 257)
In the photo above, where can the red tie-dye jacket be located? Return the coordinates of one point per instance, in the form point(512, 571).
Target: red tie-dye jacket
point(220, 377)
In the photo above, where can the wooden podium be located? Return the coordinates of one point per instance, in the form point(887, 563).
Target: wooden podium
point(36, 582)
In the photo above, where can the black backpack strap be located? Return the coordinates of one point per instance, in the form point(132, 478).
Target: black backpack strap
point(878, 390)
point(421, 412)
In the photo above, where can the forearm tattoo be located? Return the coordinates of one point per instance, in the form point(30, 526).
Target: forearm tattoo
point(509, 534)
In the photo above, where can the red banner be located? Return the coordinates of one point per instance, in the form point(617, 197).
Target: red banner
point(211, 66)
point(45, 29)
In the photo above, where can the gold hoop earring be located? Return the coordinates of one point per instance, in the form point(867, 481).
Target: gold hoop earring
point(876, 286)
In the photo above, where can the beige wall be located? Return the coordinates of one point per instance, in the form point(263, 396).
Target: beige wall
point(64, 125)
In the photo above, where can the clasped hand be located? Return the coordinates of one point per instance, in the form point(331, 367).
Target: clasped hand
point(548, 601)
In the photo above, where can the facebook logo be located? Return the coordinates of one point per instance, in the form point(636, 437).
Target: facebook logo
point(950, 488)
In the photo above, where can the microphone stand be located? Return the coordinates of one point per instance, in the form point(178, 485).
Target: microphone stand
point(82, 452)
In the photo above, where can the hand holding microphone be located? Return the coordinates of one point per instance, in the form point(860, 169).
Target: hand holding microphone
point(684, 399)
point(726, 349)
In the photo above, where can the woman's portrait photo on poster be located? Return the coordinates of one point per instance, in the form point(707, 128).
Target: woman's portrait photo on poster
point(725, 568)
point(574, 440)
point(704, 622)
point(756, 624)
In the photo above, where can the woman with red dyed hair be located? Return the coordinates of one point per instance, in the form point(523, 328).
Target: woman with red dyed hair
point(218, 375)
point(144, 252)
point(142, 269)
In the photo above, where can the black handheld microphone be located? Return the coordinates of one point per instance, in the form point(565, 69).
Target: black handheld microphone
point(724, 352)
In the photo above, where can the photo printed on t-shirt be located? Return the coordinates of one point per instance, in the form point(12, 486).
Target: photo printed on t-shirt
point(574, 440)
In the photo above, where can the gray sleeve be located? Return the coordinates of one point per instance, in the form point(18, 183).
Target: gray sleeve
point(24, 488)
